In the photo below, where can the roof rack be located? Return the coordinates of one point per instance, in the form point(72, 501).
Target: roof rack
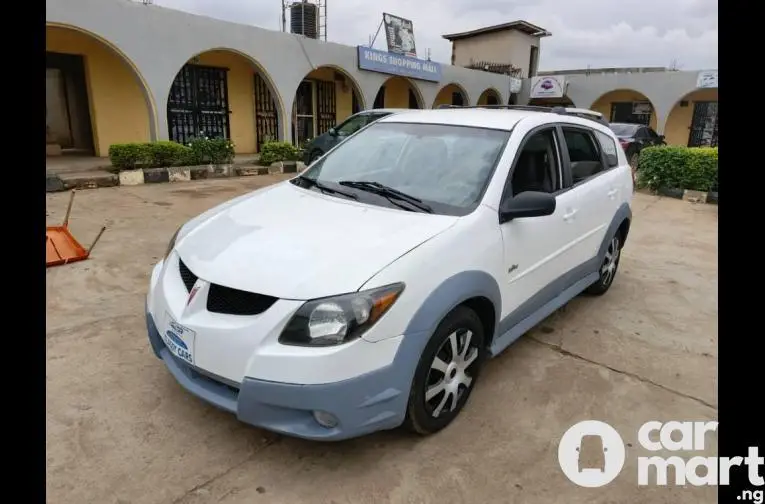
point(570, 111)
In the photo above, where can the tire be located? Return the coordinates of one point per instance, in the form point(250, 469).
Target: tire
point(428, 416)
point(634, 158)
point(608, 268)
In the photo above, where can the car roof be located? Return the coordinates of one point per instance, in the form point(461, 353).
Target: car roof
point(479, 117)
point(588, 112)
point(383, 110)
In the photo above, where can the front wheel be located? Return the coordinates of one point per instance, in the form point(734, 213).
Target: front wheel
point(608, 268)
point(447, 372)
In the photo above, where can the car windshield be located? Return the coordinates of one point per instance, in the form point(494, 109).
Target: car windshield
point(445, 167)
point(624, 130)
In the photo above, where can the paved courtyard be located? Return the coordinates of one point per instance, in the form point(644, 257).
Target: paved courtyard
point(120, 430)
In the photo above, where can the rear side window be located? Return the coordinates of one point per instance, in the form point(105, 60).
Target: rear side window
point(608, 146)
point(584, 154)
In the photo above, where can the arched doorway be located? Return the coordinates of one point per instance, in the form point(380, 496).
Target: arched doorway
point(94, 95)
point(451, 94)
point(693, 120)
point(222, 93)
point(398, 92)
point(563, 101)
point(325, 97)
point(626, 106)
point(489, 96)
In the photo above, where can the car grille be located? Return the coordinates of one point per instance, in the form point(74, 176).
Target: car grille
point(189, 278)
point(226, 300)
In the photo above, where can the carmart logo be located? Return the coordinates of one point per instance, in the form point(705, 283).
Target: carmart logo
point(591, 454)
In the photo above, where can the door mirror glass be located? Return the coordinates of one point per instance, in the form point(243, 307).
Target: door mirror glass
point(527, 204)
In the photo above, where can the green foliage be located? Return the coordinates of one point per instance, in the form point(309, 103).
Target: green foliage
point(200, 151)
point(128, 156)
point(272, 152)
point(163, 154)
point(211, 151)
point(693, 168)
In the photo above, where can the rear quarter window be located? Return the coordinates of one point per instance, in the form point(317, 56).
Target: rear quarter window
point(608, 146)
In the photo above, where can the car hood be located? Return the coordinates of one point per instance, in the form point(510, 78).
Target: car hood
point(294, 243)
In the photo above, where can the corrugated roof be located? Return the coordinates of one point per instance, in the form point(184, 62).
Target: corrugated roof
point(522, 26)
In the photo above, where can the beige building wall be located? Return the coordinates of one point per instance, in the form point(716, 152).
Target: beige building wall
point(510, 46)
point(397, 93)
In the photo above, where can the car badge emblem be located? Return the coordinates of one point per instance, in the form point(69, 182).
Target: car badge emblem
point(193, 293)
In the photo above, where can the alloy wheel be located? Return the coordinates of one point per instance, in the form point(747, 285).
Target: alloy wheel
point(608, 269)
point(450, 374)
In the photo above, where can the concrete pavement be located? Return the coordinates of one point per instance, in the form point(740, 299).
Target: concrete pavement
point(121, 430)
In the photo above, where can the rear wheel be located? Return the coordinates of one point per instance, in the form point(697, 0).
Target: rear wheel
point(447, 372)
point(608, 267)
point(634, 158)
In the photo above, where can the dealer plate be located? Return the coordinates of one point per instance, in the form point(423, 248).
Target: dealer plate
point(179, 339)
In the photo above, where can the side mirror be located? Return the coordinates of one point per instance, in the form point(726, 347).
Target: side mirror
point(332, 132)
point(527, 204)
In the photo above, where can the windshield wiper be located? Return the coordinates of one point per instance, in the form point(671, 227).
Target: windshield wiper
point(387, 192)
point(328, 190)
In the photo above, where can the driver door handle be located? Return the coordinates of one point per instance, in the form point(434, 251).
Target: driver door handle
point(612, 193)
point(569, 215)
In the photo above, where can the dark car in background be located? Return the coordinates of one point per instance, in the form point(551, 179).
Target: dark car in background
point(634, 138)
point(319, 146)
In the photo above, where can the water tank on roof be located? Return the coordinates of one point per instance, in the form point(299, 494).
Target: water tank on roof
point(304, 19)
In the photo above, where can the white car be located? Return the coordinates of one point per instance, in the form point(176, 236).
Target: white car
point(367, 292)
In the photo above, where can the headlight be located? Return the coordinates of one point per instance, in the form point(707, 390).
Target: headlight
point(339, 319)
point(171, 243)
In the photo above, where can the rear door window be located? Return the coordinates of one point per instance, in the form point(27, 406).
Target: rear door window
point(608, 146)
point(584, 154)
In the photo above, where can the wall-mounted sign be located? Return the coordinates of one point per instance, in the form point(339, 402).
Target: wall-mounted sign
point(641, 108)
point(400, 35)
point(395, 64)
point(707, 79)
point(515, 85)
point(547, 87)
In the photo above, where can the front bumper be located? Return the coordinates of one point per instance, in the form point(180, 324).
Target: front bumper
point(371, 402)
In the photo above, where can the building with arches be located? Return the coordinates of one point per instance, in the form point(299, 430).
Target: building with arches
point(681, 105)
point(120, 71)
